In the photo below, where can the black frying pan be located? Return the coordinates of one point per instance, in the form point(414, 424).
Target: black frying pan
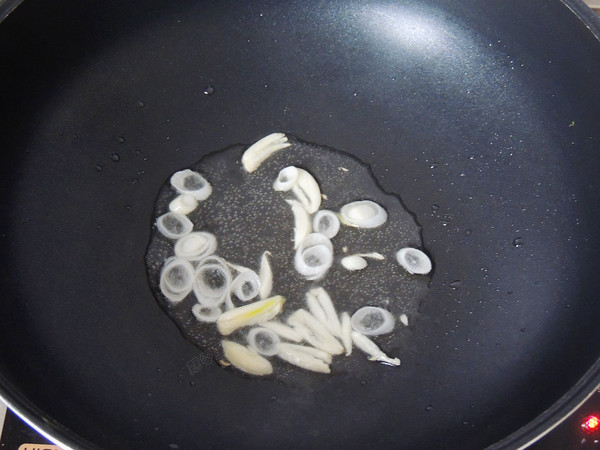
point(483, 116)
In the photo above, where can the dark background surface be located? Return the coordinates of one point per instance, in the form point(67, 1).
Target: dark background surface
point(483, 120)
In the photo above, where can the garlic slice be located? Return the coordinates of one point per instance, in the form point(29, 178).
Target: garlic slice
point(183, 204)
point(252, 314)
point(353, 262)
point(363, 214)
point(370, 348)
point(302, 225)
point(258, 152)
point(307, 191)
point(332, 324)
point(303, 359)
point(347, 333)
point(265, 276)
point(283, 330)
point(320, 354)
point(246, 359)
point(314, 332)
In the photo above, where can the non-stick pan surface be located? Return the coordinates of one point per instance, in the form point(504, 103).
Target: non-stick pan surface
point(483, 116)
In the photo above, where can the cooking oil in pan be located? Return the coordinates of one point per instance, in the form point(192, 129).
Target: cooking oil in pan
point(249, 217)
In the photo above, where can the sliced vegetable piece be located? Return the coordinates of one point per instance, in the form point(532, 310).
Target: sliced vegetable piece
point(206, 314)
point(286, 180)
point(246, 359)
point(327, 223)
point(414, 261)
point(176, 279)
point(363, 214)
point(246, 285)
point(183, 204)
point(373, 321)
point(265, 276)
point(314, 256)
point(333, 321)
point(174, 225)
point(258, 152)
point(307, 191)
point(353, 262)
point(302, 225)
point(189, 182)
point(303, 359)
point(370, 348)
point(283, 330)
point(314, 332)
point(323, 356)
point(263, 341)
point(196, 245)
point(252, 314)
point(347, 333)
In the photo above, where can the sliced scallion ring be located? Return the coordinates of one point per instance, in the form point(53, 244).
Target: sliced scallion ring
point(414, 261)
point(326, 222)
point(174, 225)
point(372, 321)
point(204, 314)
point(211, 284)
point(263, 341)
point(176, 279)
point(246, 285)
point(189, 182)
point(196, 245)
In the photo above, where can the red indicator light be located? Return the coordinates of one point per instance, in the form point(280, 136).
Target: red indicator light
point(590, 424)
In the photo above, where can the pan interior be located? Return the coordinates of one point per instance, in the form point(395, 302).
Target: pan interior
point(488, 134)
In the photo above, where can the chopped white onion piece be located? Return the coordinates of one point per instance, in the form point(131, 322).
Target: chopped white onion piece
point(302, 226)
point(189, 182)
point(246, 359)
point(196, 245)
point(283, 330)
point(251, 314)
point(176, 278)
point(347, 333)
point(370, 348)
point(265, 276)
point(286, 179)
point(174, 225)
point(206, 314)
point(258, 152)
point(404, 319)
point(372, 321)
point(363, 214)
point(246, 285)
point(212, 282)
point(326, 222)
point(263, 341)
point(354, 262)
point(183, 204)
point(303, 359)
point(414, 261)
point(314, 256)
